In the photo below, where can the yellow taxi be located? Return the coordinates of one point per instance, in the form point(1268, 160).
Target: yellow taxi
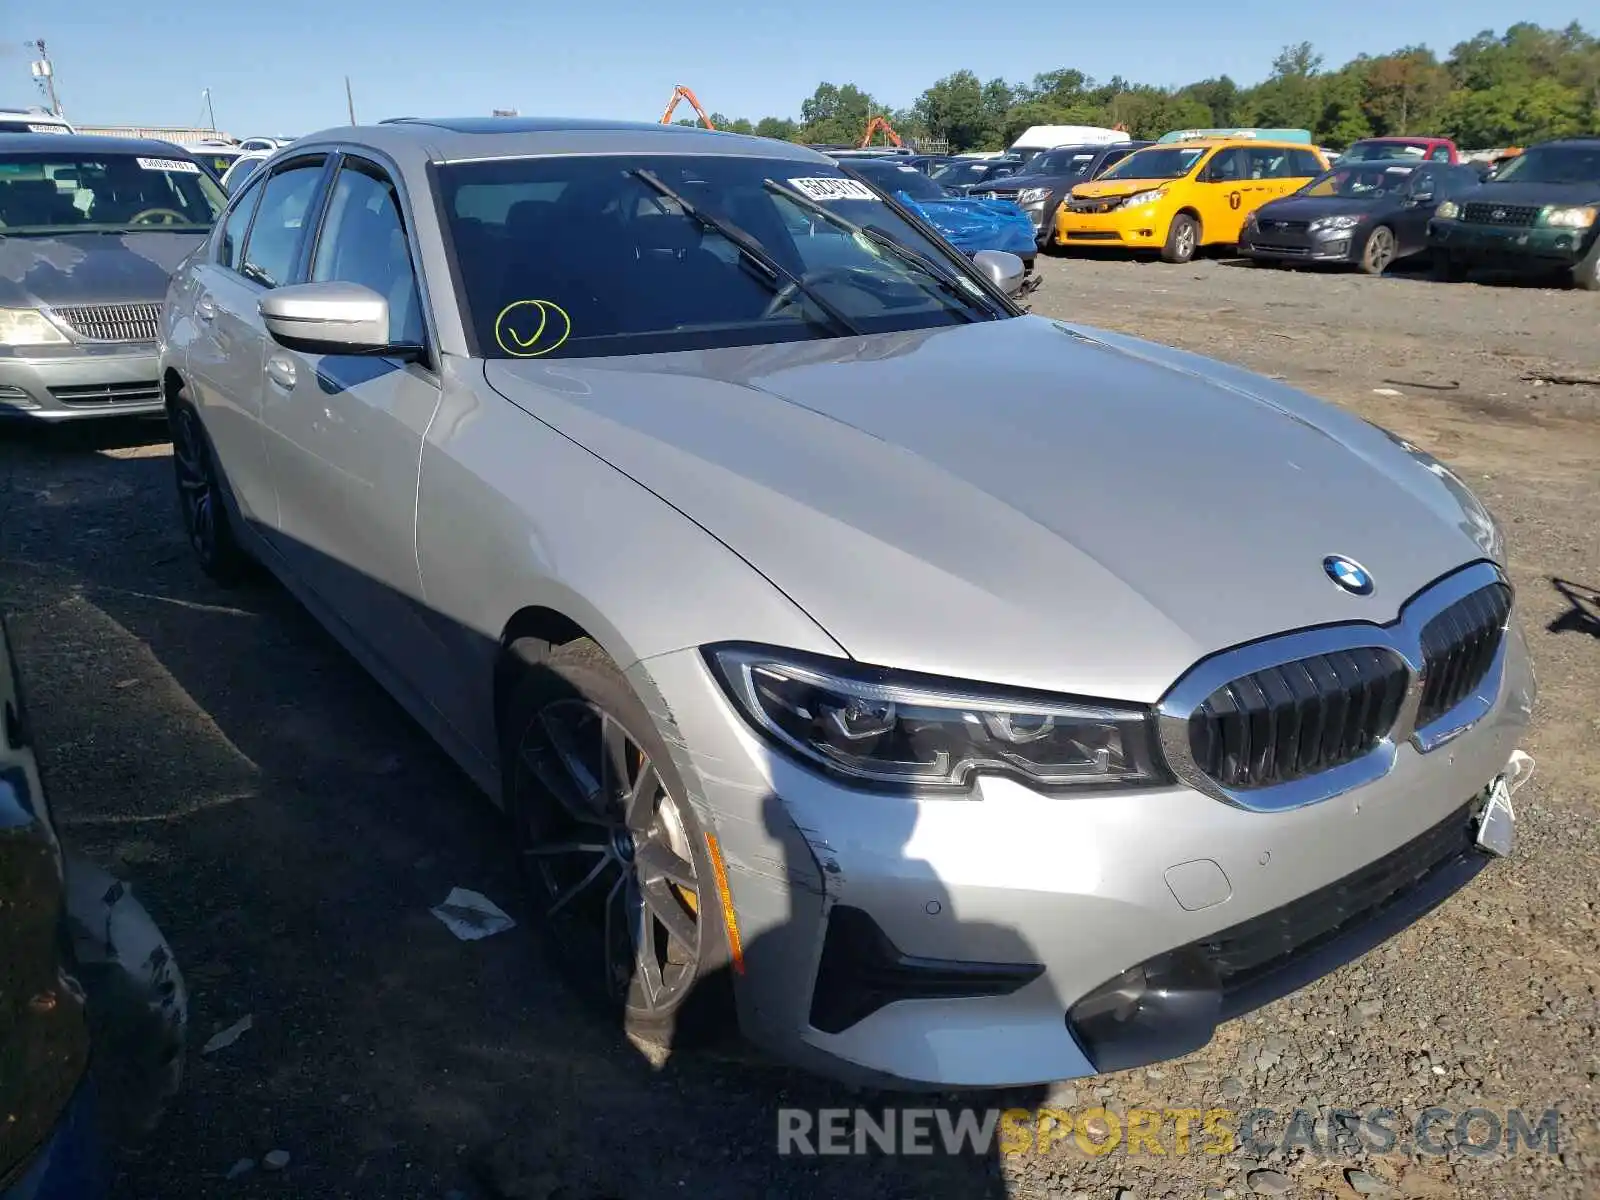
point(1178, 196)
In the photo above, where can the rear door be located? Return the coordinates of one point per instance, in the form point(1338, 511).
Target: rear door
point(345, 431)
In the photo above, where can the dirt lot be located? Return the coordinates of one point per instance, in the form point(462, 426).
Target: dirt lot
point(290, 828)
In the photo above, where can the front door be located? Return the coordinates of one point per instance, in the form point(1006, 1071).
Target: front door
point(345, 431)
point(1218, 196)
point(1421, 198)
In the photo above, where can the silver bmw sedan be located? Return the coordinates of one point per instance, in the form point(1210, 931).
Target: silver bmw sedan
point(939, 694)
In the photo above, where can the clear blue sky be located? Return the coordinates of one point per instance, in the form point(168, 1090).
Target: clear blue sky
point(278, 66)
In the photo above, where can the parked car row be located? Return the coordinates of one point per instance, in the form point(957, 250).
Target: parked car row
point(1385, 200)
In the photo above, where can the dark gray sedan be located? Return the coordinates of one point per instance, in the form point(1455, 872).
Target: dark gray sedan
point(90, 230)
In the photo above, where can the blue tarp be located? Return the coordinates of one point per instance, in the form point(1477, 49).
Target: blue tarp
point(973, 225)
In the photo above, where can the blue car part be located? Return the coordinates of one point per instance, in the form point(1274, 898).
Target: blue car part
point(972, 225)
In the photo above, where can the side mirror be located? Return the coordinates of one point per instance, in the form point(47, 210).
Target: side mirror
point(1005, 270)
point(330, 318)
point(1422, 198)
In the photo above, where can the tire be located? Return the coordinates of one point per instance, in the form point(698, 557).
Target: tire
point(1447, 268)
point(1586, 274)
point(584, 859)
point(1379, 252)
point(201, 503)
point(1183, 239)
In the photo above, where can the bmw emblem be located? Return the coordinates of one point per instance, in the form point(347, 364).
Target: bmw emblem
point(1348, 574)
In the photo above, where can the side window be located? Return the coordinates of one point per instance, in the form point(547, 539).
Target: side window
point(1423, 182)
point(1111, 160)
point(270, 254)
point(1305, 163)
point(363, 241)
point(1225, 166)
point(1440, 154)
point(231, 244)
point(1269, 162)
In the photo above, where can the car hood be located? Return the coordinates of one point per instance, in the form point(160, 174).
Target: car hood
point(1531, 193)
point(90, 268)
point(1110, 189)
point(1018, 501)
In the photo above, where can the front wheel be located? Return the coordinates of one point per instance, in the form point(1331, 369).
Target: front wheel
point(1587, 273)
point(1378, 252)
point(620, 871)
point(1183, 239)
point(1447, 268)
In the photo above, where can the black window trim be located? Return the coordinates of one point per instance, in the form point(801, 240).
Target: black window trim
point(367, 161)
point(297, 264)
point(252, 189)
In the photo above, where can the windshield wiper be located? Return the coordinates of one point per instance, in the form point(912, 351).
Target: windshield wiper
point(749, 246)
point(944, 280)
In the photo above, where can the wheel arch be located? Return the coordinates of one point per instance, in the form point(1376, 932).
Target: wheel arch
point(171, 384)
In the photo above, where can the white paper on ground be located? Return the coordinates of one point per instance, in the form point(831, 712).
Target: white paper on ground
point(471, 915)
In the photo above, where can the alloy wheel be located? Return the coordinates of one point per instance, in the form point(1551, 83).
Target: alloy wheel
point(610, 857)
point(1185, 246)
point(197, 488)
point(1380, 250)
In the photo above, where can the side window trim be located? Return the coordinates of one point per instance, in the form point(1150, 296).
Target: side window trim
point(250, 194)
point(362, 162)
point(265, 178)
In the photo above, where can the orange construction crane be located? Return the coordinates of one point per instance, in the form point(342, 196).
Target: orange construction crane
point(682, 93)
point(880, 125)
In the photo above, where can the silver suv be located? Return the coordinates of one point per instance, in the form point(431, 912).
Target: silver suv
point(966, 696)
point(90, 230)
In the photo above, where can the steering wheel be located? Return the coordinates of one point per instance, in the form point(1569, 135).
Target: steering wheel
point(855, 276)
point(172, 217)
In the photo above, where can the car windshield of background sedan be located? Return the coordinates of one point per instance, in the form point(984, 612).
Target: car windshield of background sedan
point(1378, 151)
point(48, 194)
point(958, 173)
point(1158, 162)
point(1368, 183)
point(588, 255)
point(1068, 163)
point(892, 177)
point(1552, 164)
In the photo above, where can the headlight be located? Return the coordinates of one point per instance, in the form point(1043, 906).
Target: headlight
point(1568, 218)
point(28, 327)
point(881, 727)
point(1329, 224)
point(1033, 195)
point(1448, 211)
point(1149, 197)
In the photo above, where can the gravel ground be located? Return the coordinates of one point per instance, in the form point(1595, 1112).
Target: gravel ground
point(290, 828)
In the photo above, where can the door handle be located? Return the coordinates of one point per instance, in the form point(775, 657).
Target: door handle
point(281, 371)
point(205, 310)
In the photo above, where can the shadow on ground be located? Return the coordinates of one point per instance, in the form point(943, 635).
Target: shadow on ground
point(290, 828)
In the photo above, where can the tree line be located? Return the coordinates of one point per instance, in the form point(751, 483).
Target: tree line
point(1523, 86)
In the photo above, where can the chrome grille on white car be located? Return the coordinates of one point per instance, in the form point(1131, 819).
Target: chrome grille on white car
point(112, 322)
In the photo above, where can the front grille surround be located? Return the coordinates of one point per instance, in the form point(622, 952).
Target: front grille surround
point(1449, 639)
point(111, 322)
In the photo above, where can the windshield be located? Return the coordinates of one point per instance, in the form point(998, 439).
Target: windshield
point(1070, 163)
point(892, 177)
point(585, 255)
point(1360, 183)
point(45, 194)
point(1376, 151)
point(1552, 164)
point(954, 174)
point(1157, 162)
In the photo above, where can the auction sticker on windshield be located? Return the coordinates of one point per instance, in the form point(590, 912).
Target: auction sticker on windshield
point(169, 164)
point(832, 189)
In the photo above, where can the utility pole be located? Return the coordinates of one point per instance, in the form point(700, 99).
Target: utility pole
point(211, 113)
point(44, 71)
point(349, 100)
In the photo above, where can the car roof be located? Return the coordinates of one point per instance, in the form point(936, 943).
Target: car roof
point(86, 143)
point(1209, 142)
point(461, 139)
point(1588, 143)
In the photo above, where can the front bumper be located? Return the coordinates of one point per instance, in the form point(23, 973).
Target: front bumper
point(1006, 910)
point(1298, 245)
point(1142, 228)
point(1510, 246)
point(79, 382)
